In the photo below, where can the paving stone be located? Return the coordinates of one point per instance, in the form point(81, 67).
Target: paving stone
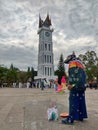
point(25, 109)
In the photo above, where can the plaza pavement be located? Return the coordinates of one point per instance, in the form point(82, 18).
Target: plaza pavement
point(25, 109)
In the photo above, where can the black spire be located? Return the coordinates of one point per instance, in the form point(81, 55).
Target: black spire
point(40, 22)
point(45, 23)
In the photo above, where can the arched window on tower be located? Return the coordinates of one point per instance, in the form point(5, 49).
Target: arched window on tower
point(50, 59)
point(48, 71)
point(45, 59)
point(45, 46)
point(49, 47)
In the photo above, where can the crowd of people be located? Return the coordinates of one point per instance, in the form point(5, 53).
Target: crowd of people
point(51, 84)
point(92, 84)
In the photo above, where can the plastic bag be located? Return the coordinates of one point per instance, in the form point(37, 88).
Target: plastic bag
point(52, 113)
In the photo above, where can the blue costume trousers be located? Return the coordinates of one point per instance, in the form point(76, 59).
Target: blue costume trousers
point(77, 105)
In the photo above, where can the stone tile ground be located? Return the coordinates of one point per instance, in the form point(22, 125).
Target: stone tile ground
point(25, 109)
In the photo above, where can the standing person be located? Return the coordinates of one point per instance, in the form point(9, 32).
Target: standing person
point(77, 87)
point(28, 84)
point(56, 85)
point(42, 84)
point(63, 83)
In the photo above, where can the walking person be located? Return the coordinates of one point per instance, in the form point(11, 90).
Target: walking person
point(77, 87)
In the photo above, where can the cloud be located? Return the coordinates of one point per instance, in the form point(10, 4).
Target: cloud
point(22, 57)
point(75, 26)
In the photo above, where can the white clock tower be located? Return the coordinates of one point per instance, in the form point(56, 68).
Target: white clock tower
point(45, 53)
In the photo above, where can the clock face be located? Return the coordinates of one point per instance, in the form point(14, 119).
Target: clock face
point(47, 34)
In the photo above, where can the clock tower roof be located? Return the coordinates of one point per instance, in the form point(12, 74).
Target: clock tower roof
point(46, 23)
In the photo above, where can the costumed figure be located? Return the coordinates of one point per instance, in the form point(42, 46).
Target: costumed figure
point(77, 87)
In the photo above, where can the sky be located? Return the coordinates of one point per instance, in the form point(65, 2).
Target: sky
point(75, 24)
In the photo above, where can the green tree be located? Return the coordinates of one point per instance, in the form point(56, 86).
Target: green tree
point(12, 74)
point(29, 74)
point(61, 69)
point(23, 77)
point(3, 74)
point(32, 73)
point(28, 69)
point(90, 61)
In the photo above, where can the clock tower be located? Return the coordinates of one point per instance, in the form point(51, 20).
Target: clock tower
point(45, 49)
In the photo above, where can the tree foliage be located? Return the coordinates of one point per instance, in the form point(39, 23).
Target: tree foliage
point(61, 69)
point(13, 74)
point(3, 73)
point(90, 61)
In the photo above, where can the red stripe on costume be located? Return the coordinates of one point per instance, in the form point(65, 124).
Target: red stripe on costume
point(76, 64)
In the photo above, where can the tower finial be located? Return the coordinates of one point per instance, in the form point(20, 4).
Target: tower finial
point(40, 21)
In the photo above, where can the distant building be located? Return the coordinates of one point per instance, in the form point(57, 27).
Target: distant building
point(45, 49)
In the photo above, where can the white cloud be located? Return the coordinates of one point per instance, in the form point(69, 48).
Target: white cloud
point(75, 26)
